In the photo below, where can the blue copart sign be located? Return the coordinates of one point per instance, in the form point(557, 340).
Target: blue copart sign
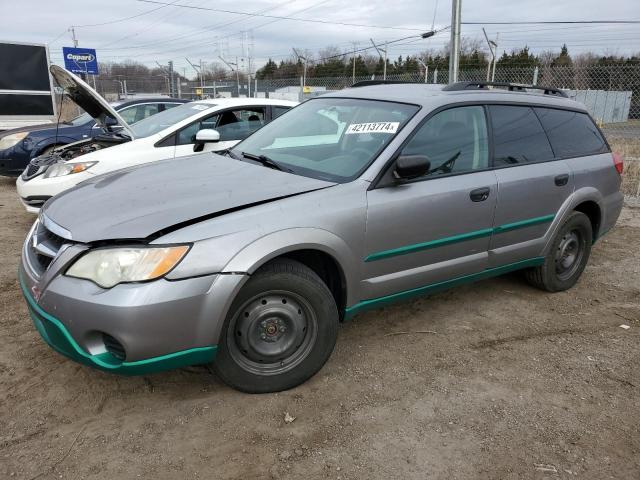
point(80, 60)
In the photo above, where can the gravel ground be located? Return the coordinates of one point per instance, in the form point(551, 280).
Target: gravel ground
point(507, 383)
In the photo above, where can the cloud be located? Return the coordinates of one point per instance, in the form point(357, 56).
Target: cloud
point(172, 32)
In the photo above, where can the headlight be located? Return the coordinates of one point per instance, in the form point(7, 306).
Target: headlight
point(11, 140)
point(110, 266)
point(63, 168)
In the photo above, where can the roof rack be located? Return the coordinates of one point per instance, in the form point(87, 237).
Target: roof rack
point(512, 87)
point(368, 83)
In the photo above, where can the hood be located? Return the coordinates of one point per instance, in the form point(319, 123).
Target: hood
point(139, 202)
point(33, 128)
point(86, 97)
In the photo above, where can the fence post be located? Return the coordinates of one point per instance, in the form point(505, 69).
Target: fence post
point(435, 76)
point(535, 76)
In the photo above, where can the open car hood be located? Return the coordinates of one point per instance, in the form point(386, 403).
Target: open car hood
point(87, 98)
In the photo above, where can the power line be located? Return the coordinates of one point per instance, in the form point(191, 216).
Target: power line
point(308, 20)
point(633, 22)
point(126, 18)
point(213, 27)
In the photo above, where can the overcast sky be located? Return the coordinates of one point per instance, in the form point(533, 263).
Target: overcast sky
point(161, 33)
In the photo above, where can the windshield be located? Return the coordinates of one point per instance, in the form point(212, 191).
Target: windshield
point(329, 138)
point(158, 122)
point(81, 120)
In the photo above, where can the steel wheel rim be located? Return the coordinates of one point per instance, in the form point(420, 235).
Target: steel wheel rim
point(272, 333)
point(569, 254)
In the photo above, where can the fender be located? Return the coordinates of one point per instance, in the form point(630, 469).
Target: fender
point(47, 142)
point(259, 252)
point(583, 194)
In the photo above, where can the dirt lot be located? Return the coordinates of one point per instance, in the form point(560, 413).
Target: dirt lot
point(514, 384)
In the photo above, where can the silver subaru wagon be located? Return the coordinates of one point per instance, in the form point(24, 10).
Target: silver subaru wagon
point(350, 201)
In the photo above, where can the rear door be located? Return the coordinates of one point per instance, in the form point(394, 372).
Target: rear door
point(532, 183)
point(437, 227)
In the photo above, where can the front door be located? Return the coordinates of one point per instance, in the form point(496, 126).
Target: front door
point(437, 227)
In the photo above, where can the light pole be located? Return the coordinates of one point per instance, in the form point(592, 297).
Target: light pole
point(426, 69)
point(454, 55)
point(384, 50)
point(229, 64)
point(492, 46)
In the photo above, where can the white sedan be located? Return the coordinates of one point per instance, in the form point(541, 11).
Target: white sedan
point(201, 126)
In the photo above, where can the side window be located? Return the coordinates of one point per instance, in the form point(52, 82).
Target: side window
point(518, 136)
point(454, 141)
point(136, 113)
point(187, 135)
point(239, 124)
point(572, 134)
point(277, 111)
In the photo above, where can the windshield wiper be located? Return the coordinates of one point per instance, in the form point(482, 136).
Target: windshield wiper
point(266, 161)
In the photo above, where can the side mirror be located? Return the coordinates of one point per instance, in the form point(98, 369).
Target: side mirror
point(411, 166)
point(110, 122)
point(207, 135)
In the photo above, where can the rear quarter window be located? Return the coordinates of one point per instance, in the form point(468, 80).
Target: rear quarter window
point(518, 136)
point(572, 134)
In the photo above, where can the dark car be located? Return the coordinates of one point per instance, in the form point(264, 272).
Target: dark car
point(20, 145)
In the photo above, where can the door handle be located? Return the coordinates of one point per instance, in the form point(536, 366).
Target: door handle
point(479, 194)
point(561, 180)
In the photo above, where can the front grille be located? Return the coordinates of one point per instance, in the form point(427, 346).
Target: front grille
point(42, 248)
point(36, 201)
point(30, 171)
point(114, 347)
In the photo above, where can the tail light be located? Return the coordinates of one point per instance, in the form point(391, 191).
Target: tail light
point(618, 162)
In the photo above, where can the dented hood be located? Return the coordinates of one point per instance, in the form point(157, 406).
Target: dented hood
point(139, 202)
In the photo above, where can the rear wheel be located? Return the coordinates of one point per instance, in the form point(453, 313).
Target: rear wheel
point(279, 331)
point(567, 257)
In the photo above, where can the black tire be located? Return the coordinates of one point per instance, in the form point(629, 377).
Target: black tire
point(280, 329)
point(567, 257)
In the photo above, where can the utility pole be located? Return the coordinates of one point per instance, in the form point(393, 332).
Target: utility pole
point(304, 70)
point(73, 36)
point(454, 55)
point(378, 49)
point(171, 80)
point(353, 73)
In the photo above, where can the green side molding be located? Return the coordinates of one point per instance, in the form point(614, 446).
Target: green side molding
point(486, 232)
point(58, 337)
point(436, 287)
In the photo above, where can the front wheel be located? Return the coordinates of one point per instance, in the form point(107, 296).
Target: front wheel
point(567, 257)
point(279, 331)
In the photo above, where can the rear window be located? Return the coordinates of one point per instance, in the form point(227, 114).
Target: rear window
point(572, 134)
point(518, 136)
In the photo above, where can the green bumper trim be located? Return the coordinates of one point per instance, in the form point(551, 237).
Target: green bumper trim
point(435, 287)
point(58, 337)
point(486, 232)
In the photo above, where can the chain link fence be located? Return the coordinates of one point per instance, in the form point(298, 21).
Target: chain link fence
point(610, 92)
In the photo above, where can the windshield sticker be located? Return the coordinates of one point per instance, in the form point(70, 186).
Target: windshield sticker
point(200, 107)
point(374, 127)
